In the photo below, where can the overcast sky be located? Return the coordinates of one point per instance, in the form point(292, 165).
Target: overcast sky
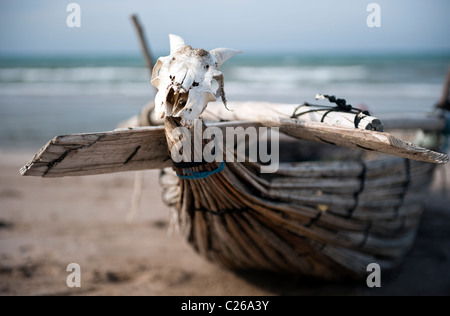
point(39, 26)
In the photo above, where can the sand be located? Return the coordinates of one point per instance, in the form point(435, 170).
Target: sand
point(45, 224)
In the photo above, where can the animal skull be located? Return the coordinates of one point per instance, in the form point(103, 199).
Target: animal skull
point(188, 79)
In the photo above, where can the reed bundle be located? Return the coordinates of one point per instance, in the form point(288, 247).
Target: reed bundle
point(328, 218)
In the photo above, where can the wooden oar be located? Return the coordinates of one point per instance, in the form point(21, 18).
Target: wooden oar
point(98, 153)
point(146, 147)
point(355, 138)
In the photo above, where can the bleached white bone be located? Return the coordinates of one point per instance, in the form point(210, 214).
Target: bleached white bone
point(223, 54)
point(188, 79)
point(176, 42)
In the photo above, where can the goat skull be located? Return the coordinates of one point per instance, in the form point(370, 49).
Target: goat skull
point(188, 79)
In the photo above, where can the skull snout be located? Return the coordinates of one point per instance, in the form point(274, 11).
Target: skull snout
point(176, 100)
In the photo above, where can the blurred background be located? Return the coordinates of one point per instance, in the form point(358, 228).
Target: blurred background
point(58, 80)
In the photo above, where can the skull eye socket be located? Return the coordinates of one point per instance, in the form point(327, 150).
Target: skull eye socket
point(195, 84)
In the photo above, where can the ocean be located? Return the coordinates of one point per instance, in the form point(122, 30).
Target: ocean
point(42, 97)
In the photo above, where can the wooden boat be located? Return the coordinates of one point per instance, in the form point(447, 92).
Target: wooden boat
point(345, 194)
point(341, 199)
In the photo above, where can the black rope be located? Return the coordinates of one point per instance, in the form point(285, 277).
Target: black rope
point(341, 106)
point(326, 113)
point(358, 119)
point(187, 165)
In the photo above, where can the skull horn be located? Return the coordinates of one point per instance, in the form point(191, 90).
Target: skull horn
point(176, 42)
point(223, 54)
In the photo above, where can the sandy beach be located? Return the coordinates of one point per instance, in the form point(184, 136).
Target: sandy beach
point(85, 67)
point(45, 224)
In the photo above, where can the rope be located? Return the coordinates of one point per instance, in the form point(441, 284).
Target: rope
point(188, 165)
point(341, 106)
point(193, 175)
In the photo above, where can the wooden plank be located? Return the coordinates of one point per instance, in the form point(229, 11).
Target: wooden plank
point(129, 149)
point(144, 45)
point(98, 153)
point(146, 147)
point(353, 138)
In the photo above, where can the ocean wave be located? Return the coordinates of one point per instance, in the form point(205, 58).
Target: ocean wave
point(360, 90)
point(236, 89)
point(75, 74)
point(139, 74)
point(307, 74)
point(76, 89)
point(241, 81)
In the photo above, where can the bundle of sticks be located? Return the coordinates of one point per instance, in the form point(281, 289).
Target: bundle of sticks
point(327, 219)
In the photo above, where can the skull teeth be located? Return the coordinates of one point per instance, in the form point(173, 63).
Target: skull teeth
point(187, 123)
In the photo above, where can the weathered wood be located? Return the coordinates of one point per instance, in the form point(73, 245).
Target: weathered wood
point(301, 232)
point(246, 111)
point(308, 218)
point(144, 118)
point(146, 148)
point(321, 169)
point(130, 149)
point(256, 111)
point(253, 111)
point(352, 138)
point(98, 153)
point(144, 45)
